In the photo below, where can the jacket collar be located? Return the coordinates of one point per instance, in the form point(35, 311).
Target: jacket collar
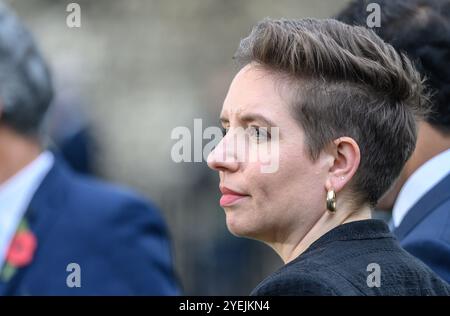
point(364, 229)
point(429, 202)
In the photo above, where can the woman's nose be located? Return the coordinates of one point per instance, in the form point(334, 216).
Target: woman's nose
point(223, 157)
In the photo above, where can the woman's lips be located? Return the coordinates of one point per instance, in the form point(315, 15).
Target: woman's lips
point(230, 197)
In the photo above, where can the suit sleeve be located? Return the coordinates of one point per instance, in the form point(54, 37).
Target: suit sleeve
point(142, 260)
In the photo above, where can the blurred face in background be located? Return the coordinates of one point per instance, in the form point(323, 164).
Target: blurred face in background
point(266, 206)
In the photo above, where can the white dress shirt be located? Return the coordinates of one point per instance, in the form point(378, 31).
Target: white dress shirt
point(419, 183)
point(15, 196)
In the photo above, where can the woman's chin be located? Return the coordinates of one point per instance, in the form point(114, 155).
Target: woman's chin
point(239, 226)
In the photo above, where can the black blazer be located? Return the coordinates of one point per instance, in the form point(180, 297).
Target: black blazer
point(342, 261)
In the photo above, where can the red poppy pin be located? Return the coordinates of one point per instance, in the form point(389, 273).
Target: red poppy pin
point(20, 252)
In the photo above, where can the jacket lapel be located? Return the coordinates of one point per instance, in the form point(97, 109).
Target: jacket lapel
point(42, 213)
point(430, 201)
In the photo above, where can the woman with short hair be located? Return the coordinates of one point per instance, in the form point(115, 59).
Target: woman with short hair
point(334, 109)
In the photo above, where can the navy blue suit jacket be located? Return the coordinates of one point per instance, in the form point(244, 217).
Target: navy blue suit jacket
point(425, 230)
point(119, 241)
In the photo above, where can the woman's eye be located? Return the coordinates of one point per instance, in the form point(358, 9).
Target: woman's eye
point(259, 133)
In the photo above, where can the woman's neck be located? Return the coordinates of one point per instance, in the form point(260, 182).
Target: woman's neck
point(290, 249)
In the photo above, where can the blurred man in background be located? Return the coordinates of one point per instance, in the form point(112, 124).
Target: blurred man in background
point(420, 199)
point(61, 233)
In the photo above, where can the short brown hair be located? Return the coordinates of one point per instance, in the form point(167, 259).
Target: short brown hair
point(420, 29)
point(346, 82)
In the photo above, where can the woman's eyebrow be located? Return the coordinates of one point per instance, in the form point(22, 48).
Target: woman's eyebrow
point(251, 117)
point(254, 117)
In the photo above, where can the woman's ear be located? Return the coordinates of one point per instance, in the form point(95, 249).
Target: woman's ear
point(346, 161)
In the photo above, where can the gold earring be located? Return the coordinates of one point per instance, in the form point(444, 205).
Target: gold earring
point(331, 201)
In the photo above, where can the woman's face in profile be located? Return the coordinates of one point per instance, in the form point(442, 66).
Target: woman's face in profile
point(259, 204)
